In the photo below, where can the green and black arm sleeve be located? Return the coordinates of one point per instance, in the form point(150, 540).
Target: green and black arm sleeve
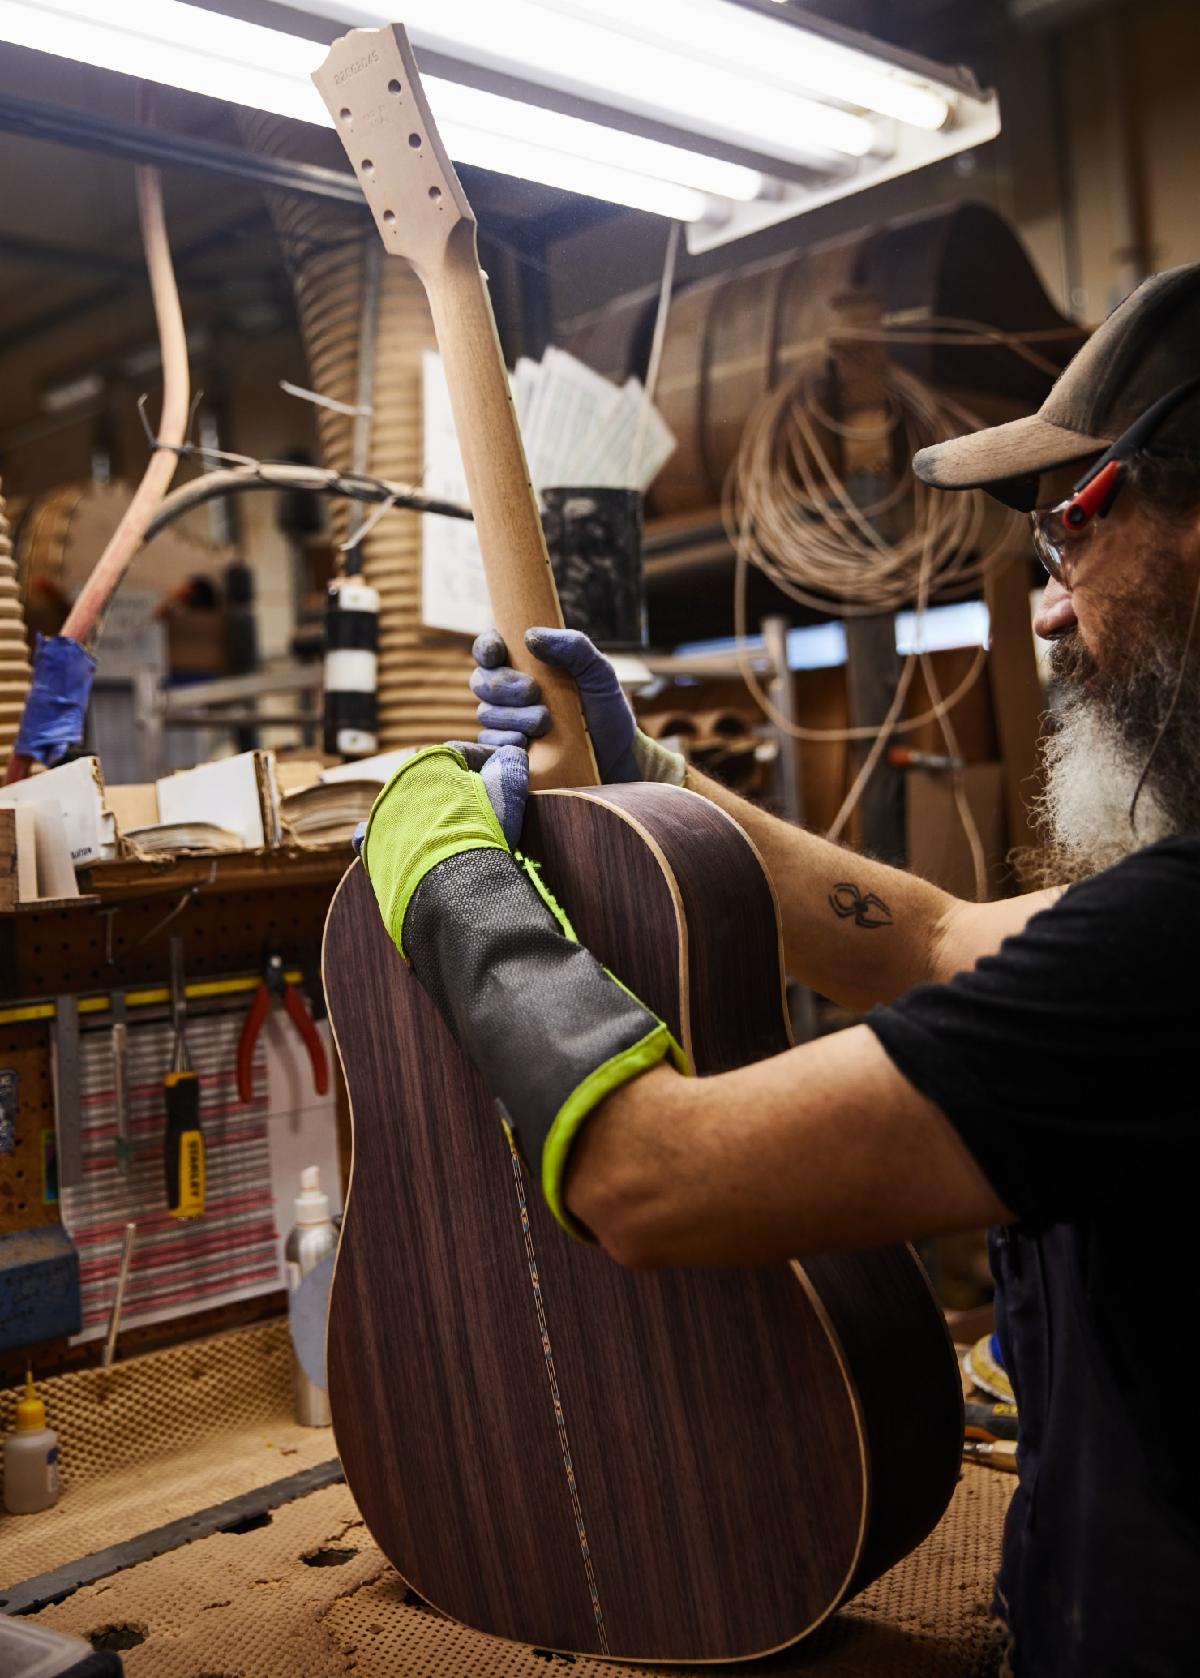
point(548, 1028)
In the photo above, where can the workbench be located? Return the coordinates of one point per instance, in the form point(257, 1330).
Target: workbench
point(272, 1574)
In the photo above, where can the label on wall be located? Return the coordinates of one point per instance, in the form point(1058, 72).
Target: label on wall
point(453, 590)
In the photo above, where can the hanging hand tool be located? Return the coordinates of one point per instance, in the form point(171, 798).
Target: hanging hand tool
point(275, 983)
point(114, 1315)
point(120, 1052)
point(183, 1142)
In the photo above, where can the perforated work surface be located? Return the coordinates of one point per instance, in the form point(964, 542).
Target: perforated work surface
point(250, 1605)
point(154, 1439)
point(164, 1435)
point(22, 1189)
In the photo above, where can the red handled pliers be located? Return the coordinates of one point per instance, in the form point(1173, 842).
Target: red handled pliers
point(274, 983)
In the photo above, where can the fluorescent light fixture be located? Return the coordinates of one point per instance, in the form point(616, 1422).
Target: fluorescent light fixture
point(598, 58)
point(749, 78)
point(774, 53)
point(178, 45)
point(829, 111)
point(199, 51)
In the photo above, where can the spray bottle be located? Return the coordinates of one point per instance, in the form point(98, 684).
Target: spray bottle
point(30, 1457)
point(312, 1239)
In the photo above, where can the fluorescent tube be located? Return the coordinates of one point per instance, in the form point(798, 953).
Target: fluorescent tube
point(510, 156)
point(202, 52)
point(598, 60)
point(777, 53)
point(454, 104)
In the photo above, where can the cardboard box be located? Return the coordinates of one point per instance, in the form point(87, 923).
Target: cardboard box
point(239, 793)
point(78, 791)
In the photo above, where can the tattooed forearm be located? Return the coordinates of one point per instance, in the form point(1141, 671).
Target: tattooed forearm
point(868, 910)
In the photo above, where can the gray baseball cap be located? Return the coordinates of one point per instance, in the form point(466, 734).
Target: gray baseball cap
point(1148, 345)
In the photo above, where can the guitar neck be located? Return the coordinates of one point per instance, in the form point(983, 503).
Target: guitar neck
point(515, 561)
point(372, 89)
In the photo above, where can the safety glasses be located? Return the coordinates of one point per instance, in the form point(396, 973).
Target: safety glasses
point(1060, 534)
point(1057, 543)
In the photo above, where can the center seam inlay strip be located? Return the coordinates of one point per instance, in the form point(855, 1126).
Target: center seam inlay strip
point(560, 1420)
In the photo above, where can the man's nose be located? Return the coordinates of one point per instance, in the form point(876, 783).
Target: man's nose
point(1055, 614)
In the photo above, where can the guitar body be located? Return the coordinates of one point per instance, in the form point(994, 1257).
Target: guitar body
point(659, 1466)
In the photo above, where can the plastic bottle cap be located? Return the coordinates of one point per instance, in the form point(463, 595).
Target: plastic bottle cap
point(312, 1204)
point(31, 1412)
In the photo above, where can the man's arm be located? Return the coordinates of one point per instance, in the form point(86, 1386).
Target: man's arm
point(854, 929)
point(857, 930)
point(824, 1147)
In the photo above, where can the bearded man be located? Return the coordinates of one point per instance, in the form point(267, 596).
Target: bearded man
point(1024, 1064)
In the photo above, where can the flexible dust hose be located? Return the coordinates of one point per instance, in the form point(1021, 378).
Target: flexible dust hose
point(53, 718)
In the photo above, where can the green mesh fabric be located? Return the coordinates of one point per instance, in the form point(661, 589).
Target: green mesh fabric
point(657, 1045)
point(432, 808)
point(534, 871)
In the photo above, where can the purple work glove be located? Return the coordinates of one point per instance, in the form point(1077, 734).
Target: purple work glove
point(504, 771)
point(510, 708)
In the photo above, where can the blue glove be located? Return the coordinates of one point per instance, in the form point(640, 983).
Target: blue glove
point(509, 706)
point(505, 774)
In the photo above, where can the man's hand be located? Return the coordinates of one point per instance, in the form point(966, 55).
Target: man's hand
point(504, 771)
point(512, 714)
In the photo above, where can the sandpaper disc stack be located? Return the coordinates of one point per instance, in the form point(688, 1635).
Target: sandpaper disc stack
point(422, 674)
point(14, 655)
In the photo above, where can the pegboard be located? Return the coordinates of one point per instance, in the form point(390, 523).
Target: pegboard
point(278, 901)
point(126, 942)
point(24, 1050)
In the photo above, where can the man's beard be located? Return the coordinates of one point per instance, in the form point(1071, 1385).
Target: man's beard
point(1109, 709)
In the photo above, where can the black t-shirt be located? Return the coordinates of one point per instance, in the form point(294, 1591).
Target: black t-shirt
point(1066, 1062)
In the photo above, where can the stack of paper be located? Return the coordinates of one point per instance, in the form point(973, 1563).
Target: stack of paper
point(185, 836)
point(326, 810)
point(580, 432)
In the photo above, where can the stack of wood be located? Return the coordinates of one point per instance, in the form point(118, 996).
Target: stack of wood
point(422, 674)
point(14, 656)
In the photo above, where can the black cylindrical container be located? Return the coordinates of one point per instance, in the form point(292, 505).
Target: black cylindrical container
point(594, 537)
point(351, 639)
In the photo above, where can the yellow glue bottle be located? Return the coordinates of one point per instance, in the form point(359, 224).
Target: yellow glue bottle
point(30, 1457)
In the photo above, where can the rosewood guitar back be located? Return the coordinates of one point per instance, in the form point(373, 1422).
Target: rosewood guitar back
point(673, 1466)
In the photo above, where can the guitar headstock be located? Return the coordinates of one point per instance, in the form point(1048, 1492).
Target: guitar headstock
point(372, 89)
